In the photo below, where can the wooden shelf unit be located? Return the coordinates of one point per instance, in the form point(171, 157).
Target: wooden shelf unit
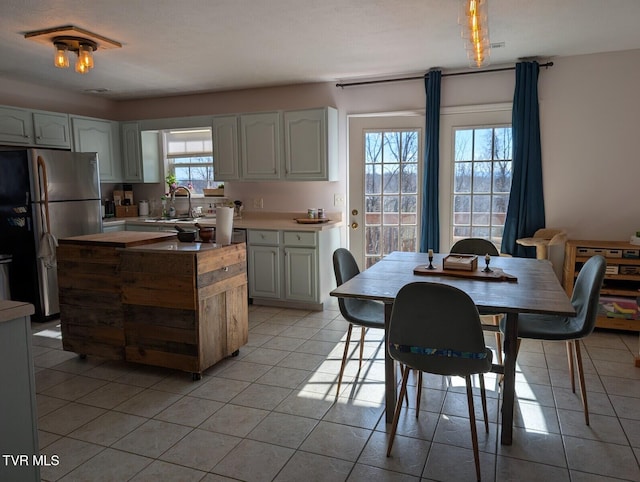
point(618, 285)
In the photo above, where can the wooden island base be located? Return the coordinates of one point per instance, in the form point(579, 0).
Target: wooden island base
point(184, 309)
point(157, 302)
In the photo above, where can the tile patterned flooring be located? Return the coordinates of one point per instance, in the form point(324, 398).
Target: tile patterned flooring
point(270, 414)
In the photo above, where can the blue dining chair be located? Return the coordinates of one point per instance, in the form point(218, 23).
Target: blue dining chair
point(358, 312)
point(585, 297)
point(480, 247)
point(436, 328)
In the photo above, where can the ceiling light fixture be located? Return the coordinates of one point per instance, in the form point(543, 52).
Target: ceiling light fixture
point(474, 21)
point(73, 39)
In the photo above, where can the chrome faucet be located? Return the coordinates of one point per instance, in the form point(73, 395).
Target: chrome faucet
point(190, 210)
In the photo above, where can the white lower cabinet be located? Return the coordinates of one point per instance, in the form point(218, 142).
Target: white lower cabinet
point(291, 268)
point(110, 228)
point(264, 273)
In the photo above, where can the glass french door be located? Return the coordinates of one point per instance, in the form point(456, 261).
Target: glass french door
point(385, 156)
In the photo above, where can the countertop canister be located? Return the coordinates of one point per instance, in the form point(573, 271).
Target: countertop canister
point(143, 208)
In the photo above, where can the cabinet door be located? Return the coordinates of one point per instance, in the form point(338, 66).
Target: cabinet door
point(131, 152)
point(51, 130)
point(101, 136)
point(301, 274)
point(226, 161)
point(310, 144)
point(260, 145)
point(264, 271)
point(16, 126)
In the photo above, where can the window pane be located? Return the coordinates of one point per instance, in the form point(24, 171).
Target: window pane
point(481, 177)
point(408, 236)
point(409, 178)
point(372, 204)
point(480, 232)
point(483, 144)
point(390, 234)
point(481, 210)
point(391, 204)
point(502, 143)
point(461, 210)
point(391, 152)
point(461, 231)
point(502, 176)
point(372, 179)
point(463, 145)
point(410, 146)
point(372, 242)
point(409, 204)
point(373, 147)
point(390, 181)
point(462, 180)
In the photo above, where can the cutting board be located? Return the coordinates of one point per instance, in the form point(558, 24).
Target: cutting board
point(496, 274)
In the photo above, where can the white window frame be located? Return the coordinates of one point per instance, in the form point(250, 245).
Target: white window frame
point(195, 135)
point(456, 117)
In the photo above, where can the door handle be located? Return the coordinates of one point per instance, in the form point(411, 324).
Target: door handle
point(354, 225)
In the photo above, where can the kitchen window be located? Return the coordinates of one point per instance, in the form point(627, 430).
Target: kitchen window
point(481, 182)
point(189, 156)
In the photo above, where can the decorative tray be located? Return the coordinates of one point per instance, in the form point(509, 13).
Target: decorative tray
point(496, 274)
point(310, 221)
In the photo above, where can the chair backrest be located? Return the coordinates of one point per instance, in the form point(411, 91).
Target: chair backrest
point(344, 265)
point(345, 268)
point(477, 246)
point(433, 316)
point(586, 295)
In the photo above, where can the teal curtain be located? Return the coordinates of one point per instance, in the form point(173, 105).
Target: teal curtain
point(430, 221)
point(525, 213)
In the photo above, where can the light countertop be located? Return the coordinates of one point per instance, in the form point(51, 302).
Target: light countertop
point(174, 246)
point(11, 310)
point(250, 220)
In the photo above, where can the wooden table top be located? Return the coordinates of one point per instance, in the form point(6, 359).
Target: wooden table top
point(537, 289)
point(118, 239)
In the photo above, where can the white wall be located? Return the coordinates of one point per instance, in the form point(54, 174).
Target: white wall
point(589, 108)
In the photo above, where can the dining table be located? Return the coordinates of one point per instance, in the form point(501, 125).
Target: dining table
point(530, 286)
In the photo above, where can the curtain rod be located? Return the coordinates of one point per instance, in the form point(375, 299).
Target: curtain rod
point(403, 79)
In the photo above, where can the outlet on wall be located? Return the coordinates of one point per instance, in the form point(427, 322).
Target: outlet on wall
point(258, 203)
point(338, 200)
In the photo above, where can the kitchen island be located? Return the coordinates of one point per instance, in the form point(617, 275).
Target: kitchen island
point(148, 298)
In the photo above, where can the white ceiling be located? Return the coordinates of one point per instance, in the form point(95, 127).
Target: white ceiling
point(173, 47)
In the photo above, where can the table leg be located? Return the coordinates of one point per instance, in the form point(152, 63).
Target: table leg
point(509, 383)
point(390, 383)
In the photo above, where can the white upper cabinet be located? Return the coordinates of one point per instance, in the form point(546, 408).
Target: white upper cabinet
point(260, 146)
point(131, 152)
point(16, 126)
point(226, 161)
point(103, 137)
point(141, 154)
point(51, 129)
point(34, 128)
point(311, 144)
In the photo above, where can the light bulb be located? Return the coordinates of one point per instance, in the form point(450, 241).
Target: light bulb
point(81, 67)
point(85, 55)
point(61, 56)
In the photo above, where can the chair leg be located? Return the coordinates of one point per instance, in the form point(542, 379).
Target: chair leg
point(496, 321)
point(583, 387)
point(483, 396)
point(419, 394)
point(344, 358)
point(472, 421)
point(396, 414)
point(402, 369)
point(571, 366)
point(361, 346)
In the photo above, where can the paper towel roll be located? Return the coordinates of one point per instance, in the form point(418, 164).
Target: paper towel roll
point(224, 225)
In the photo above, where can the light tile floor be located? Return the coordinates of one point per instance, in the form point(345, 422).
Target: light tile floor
point(271, 413)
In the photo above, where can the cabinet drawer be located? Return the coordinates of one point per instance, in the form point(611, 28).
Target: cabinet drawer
point(263, 237)
point(299, 238)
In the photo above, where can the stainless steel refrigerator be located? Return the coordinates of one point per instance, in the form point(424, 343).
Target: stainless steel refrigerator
point(45, 195)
